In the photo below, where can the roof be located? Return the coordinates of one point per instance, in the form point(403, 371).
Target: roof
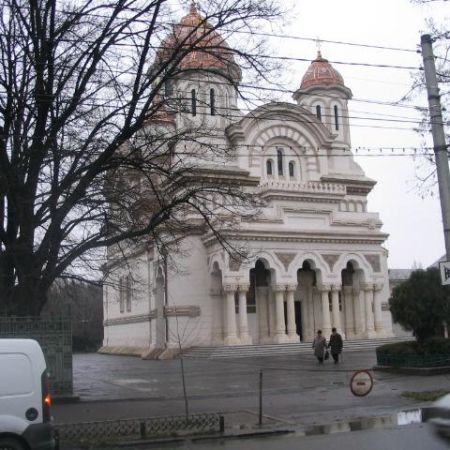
point(321, 73)
point(205, 48)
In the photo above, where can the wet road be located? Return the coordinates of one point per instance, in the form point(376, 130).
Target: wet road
point(295, 389)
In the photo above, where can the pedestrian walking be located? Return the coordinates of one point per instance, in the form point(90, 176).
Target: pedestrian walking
point(335, 345)
point(319, 346)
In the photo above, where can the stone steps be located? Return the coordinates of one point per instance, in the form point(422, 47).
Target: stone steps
point(242, 351)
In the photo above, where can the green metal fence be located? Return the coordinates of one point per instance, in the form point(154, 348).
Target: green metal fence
point(413, 360)
point(54, 334)
point(140, 428)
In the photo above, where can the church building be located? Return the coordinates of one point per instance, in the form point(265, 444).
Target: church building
point(314, 253)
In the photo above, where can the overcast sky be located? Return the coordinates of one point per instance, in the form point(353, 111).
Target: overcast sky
point(413, 223)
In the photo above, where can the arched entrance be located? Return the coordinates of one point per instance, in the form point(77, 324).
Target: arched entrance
point(310, 314)
point(259, 306)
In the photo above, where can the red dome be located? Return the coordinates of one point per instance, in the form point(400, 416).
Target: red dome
point(320, 73)
point(206, 48)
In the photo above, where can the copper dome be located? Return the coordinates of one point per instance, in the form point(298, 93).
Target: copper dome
point(321, 73)
point(206, 49)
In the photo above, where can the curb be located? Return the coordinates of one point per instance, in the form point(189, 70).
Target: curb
point(211, 437)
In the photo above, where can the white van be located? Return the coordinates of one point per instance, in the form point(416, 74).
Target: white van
point(25, 419)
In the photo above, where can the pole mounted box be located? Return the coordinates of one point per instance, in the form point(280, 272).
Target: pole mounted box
point(444, 268)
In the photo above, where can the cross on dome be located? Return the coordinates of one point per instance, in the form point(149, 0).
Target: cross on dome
point(319, 47)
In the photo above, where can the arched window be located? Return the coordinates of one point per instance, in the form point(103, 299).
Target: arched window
point(292, 169)
point(280, 161)
point(193, 103)
point(121, 294)
point(212, 102)
point(128, 292)
point(336, 118)
point(319, 112)
point(269, 168)
point(168, 88)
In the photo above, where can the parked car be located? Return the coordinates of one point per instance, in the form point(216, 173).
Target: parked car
point(25, 417)
point(439, 416)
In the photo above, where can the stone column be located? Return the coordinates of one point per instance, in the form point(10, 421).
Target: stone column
point(358, 316)
point(305, 314)
point(316, 306)
point(335, 289)
point(326, 319)
point(379, 328)
point(243, 318)
point(230, 337)
point(262, 309)
point(291, 325)
point(368, 293)
point(347, 292)
point(271, 311)
point(280, 325)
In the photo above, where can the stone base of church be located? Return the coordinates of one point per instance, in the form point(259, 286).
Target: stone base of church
point(231, 340)
point(280, 339)
point(123, 350)
point(246, 340)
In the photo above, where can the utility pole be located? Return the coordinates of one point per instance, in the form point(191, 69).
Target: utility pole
point(437, 130)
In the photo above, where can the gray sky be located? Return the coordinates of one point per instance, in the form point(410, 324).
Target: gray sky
point(414, 223)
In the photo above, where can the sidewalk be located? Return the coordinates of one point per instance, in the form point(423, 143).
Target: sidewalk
point(296, 390)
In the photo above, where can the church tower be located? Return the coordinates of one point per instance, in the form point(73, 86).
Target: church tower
point(323, 92)
point(202, 89)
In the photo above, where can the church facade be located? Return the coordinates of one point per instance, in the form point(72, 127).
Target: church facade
point(315, 258)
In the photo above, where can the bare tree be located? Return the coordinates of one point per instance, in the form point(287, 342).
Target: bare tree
point(78, 172)
point(425, 166)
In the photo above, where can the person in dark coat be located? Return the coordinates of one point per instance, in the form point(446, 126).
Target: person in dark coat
point(319, 346)
point(335, 345)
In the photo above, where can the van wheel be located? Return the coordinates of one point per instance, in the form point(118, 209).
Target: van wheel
point(10, 444)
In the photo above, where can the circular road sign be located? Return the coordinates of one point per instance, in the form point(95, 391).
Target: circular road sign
point(361, 383)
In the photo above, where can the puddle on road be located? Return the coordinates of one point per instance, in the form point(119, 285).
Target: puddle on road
point(407, 417)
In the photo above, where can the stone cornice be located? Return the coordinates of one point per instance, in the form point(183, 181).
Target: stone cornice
point(292, 196)
point(219, 174)
point(311, 237)
point(131, 319)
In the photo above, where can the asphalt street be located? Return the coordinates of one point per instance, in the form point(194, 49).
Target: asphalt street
point(296, 390)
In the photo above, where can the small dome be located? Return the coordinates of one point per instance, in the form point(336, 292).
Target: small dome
point(321, 73)
point(206, 48)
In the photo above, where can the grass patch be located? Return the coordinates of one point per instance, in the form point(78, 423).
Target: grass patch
point(425, 396)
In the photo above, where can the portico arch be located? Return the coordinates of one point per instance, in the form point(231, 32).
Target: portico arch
point(356, 297)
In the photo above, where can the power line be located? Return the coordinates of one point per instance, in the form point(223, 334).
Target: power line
point(265, 34)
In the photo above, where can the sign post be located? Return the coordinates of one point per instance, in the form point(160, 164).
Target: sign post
point(444, 268)
point(361, 383)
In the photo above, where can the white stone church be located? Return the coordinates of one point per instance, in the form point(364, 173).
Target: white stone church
point(316, 259)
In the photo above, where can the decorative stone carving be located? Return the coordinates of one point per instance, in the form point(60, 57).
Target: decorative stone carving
point(367, 286)
point(229, 287)
point(234, 262)
point(324, 288)
point(374, 261)
point(278, 287)
point(330, 260)
point(286, 259)
point(180, 311)
point(243, 287)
